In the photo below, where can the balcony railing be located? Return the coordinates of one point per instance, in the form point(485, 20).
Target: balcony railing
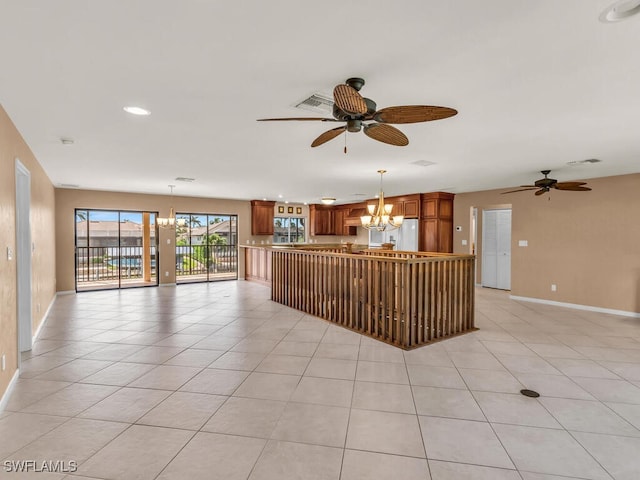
point(206, 260)
point(96, 264)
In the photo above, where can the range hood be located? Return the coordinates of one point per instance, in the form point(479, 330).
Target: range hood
point(353, 219)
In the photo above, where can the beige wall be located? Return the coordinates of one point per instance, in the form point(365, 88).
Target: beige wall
point(67, 200)
point(587, 243)
point(42, 223)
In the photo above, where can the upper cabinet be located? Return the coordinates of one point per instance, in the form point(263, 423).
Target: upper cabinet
point(407, 205)
point(411, 205)
point(262, 217)
point(321, 220)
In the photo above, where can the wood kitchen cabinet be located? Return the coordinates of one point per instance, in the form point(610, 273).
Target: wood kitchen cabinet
point(436, 222)
point(340, 214)
point(411, 205)
point(407, 205)
point(262, 217)
point(321, 219)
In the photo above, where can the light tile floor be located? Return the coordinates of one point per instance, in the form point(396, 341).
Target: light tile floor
point(215, 381)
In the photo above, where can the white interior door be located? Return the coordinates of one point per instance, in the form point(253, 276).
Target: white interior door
point(496, 249)
point(23, 256)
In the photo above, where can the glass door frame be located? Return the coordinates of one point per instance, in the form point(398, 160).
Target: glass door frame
point(207, 275)
point(155, 247)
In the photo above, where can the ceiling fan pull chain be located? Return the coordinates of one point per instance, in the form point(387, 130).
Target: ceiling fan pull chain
point(345, 142)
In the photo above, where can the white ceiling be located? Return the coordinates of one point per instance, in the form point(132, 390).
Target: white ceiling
point(537, 84)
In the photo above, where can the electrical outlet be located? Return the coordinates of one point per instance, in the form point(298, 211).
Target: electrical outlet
point(554, 287)
point(166, 274)
point(464, 242)
point(9, 253)
point(38, 307)
point(4, 362)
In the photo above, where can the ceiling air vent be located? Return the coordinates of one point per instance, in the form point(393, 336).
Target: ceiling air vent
point(185, 179)
point(583, 162)
point(317, 102)
point(423, 163)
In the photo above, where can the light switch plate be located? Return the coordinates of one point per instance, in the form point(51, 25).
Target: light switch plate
point(9, 253)
point(523, 243)
point(464, 242)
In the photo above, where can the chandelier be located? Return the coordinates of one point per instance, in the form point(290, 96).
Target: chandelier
point(379, 217)
point(170, 221)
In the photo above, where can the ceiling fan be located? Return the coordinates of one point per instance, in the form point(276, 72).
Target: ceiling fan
point(545, 184)
point(359, 113)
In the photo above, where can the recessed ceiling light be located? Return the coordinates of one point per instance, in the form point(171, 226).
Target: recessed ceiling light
point(620, 10)
point(136, 110)
point(280, 196)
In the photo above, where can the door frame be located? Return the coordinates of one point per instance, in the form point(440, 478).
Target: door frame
point(23, 259)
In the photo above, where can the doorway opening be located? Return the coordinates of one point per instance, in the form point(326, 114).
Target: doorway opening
point(115, 249)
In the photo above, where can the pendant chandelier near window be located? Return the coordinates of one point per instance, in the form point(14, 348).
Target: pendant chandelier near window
point(379, 217)
point(170, 221)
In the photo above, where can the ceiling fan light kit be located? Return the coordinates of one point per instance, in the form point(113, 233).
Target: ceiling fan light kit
point(360, 114)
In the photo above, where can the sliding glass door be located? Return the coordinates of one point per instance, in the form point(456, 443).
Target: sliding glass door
point(115, 249)
point(206, 248)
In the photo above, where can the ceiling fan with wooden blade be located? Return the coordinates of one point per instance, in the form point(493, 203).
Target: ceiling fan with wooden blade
point(546, 184)
point(361, 114)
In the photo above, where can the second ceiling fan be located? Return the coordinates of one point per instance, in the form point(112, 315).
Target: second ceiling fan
point(360, 114)
point(545, 184)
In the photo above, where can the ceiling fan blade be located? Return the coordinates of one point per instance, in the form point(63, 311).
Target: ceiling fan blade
point(541, 191)
point(413, 114)
point(570, 184)
point(571, 188)
point(328, 135)
point(521, 190)
point(303, 119)
point(386, 134)
point(349, 100)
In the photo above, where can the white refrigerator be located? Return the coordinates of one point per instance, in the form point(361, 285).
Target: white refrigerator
point(404, 238)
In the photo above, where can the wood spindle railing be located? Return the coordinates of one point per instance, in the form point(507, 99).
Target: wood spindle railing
point(406, 299)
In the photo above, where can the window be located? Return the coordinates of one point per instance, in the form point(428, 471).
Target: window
point(289, 230)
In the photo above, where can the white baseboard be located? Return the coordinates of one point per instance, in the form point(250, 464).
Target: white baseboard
point(44, 319)
point(66, 292)
point(7, 393)
point(167, 285)
point(576, 306)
